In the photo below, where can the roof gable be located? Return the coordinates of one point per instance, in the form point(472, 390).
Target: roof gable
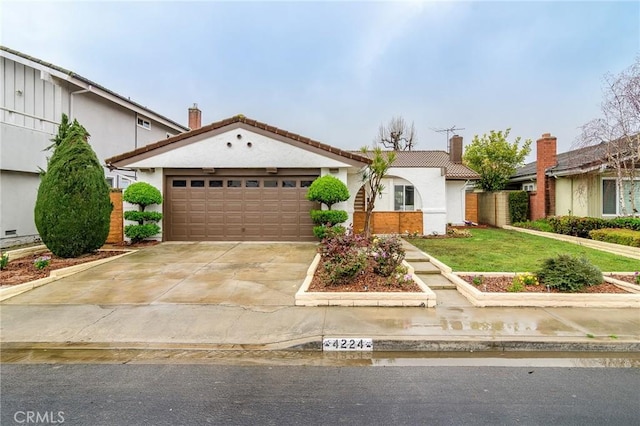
point(218, 141)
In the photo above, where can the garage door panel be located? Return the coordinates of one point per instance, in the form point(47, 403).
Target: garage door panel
point(239, 208)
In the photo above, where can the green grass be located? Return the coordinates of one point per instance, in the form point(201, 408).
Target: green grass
point(501, 250)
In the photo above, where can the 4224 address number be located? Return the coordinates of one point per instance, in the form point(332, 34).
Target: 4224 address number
point(347, 344)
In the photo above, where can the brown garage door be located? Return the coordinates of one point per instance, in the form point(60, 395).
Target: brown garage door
point(240, 208)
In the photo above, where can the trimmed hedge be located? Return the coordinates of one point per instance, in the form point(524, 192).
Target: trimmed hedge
point(142, 194)
point(328, 190)
point(140, 217)
point(569, 273)
point(519, 206)
point(626, 237)
point(332, 217)
point(538, 225)
point(581, 226)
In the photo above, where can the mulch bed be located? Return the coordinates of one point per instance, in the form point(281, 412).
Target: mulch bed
point(626, 278)
point(367, 282)
point(22, 270)
point(500, 285)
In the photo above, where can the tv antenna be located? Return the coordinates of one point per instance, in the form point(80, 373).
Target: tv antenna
point(448, 130)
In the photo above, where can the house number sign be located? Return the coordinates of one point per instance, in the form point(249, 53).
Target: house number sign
point(347, 344)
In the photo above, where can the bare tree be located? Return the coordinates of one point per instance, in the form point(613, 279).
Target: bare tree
point(618, 133)
point(397, 135)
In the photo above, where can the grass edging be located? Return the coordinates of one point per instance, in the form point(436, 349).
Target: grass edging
point(14, 290)
point(303, 297)
point(544, 300)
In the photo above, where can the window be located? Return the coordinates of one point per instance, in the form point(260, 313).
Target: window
point(270, 183)
point(252, 183)
point(110, 181)
point(197, 184)
point(234, 183)
point(611, 197)
point(179, 183)
point(145, 124)
point(305, 183)
point(289, 183)
point(529, 187)
point(403, 198)
point(215, 184)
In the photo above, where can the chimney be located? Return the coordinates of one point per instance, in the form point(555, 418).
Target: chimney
point(455, 149)
point(195, 117)
point(544, 203)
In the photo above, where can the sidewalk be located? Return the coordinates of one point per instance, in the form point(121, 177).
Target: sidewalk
point(453, 325)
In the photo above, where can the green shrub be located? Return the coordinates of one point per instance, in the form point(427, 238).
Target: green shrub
point(625, 223)
point(569, 273)
point(73, 208)
point(518, 206)
point(538, 225)
point(575, 225)
point(328, 190)
point(139, 232)
point(4, 261)
point(322, 231)
point(141, 217)
point(332, 217)
point(142, 194)
point(625, 237)
point(516, 286)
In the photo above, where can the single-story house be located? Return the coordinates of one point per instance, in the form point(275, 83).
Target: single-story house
point(240, 179)
point(581, 182)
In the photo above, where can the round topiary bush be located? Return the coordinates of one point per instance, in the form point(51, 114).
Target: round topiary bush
point(328, 190)
point(73, 208)
point(142, 194)
point(569, 273)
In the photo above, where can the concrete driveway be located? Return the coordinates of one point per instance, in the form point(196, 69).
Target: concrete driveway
point(244, 274)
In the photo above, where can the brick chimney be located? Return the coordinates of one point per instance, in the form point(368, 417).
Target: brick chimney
point(455, 149)
point(195, 117)
point(544, 202)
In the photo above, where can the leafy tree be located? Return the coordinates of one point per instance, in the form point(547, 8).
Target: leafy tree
point(495, 159)
point(327, 190)
point(618, 133)
point(397, 135)
point(372, 176)
point(73, 208)
point(142, 194)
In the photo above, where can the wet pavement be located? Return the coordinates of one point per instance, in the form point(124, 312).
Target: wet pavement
point(230, 296)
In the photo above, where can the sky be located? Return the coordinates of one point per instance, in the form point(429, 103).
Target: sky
point(335, 71)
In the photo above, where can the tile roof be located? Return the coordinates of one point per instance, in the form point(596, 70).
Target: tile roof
point(87, 81)
point(433, 159)
point(571, 162)
point(239, 119)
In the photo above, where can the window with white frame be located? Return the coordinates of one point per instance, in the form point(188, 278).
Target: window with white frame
point(611, 200)
point(404, 198)
point(110, 181)
point(145, 124)
point(529, 186)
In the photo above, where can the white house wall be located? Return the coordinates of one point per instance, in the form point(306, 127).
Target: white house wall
point(213, 151)
point(455, 201)
point(18, 193)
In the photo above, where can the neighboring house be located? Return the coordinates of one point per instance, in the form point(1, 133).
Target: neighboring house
point(34, 96)
point(239, 179)
point(578, 182)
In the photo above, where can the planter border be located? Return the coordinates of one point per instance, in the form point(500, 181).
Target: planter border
point(14, 290)
point(426, 298)
point(545, 300)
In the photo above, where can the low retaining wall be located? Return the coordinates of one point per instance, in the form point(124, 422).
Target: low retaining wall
point(391, 222)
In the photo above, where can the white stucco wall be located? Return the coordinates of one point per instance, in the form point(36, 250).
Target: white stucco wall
point(18, 193)
point(455, 201)
point(213, 151)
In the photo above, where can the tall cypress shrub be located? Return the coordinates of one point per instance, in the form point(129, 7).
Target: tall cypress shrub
point(73, 208)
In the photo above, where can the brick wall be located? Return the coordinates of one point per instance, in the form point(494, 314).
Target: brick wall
point(471, 206)
point(116, 230)
point(544, 201)
point(390, 222)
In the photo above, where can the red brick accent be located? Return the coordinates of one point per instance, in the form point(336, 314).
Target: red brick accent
point(455, 149)
point(471, 206)
point(390, 222)
point(116, 230)
point(545, 199)
point(195, 117)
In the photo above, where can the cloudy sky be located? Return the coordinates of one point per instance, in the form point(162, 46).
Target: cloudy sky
point(334, 71)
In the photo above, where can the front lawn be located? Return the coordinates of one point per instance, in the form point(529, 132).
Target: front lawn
point(501, 250)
